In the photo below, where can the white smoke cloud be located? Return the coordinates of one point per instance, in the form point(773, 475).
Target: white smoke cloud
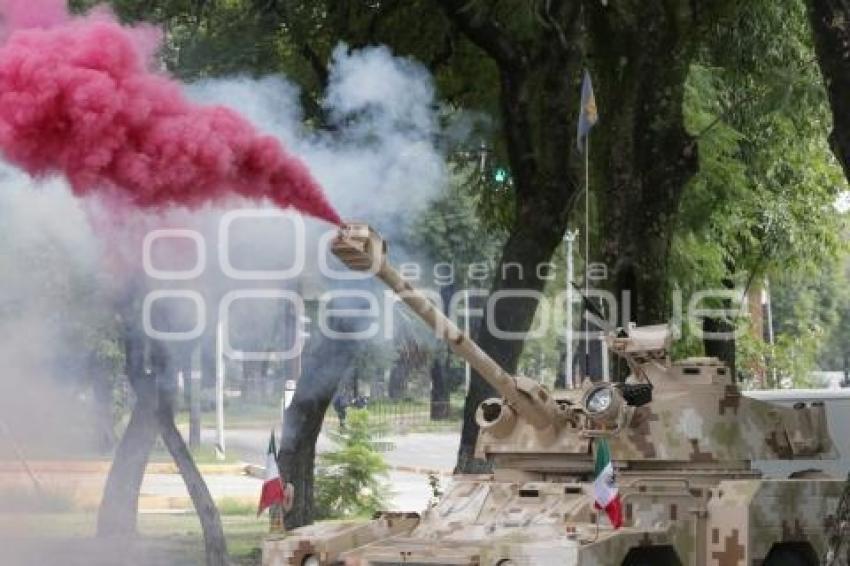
point(61, 257)
point(380, 159)
point(49, 292)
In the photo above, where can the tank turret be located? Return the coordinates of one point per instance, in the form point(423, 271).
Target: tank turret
point(689, 413)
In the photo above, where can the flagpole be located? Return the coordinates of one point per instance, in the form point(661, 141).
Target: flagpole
point(276, 509)
point(569, 375)
point(587, 119)
point(586, 250)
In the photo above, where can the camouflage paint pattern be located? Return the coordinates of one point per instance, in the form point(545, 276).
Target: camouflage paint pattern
point(683, 467)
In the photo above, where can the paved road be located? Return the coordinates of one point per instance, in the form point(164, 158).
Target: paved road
point(424, 451)
point(410, 492)
point(435, 451)
point(409, 457)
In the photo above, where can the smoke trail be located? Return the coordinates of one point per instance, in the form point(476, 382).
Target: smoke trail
point(79, 98)
point(381, 161)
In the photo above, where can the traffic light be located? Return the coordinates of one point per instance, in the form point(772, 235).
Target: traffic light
point(500, 175)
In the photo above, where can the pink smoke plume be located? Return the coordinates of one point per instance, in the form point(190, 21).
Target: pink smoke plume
point(77, 97)
point(31, 14)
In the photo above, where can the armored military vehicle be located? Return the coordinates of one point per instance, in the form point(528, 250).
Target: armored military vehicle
point(682, 439)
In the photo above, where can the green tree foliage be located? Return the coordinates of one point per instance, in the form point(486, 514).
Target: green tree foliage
point(763, 201)
point(812, 325)
point(453, 229)
point(350, 479)
point(834, 350)
point(374, 359)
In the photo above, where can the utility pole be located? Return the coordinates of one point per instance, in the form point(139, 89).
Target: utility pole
point(468, 370)
point(569, 239)
point(603, 349)
point(767, 298)
point(219, 391)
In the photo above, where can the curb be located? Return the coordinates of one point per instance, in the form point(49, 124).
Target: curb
point(259, 472)
point(84, 467)
point(422, 471)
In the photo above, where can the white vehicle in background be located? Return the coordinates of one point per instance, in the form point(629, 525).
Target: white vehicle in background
point(837, 402)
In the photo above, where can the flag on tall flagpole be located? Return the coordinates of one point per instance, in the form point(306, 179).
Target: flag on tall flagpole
point(588, 115)
point(273, 491)
point(605, 493)
point(587, 118)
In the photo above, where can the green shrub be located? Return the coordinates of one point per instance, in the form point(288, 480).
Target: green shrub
point(350, 480)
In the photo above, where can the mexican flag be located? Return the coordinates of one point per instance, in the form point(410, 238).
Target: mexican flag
point(605, 492)
point(272, 485)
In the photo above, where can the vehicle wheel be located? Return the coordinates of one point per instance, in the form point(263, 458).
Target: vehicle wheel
point(786, 557)
point(652, 556)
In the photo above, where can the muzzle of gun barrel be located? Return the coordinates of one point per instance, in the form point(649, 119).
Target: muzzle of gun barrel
point(359, 247)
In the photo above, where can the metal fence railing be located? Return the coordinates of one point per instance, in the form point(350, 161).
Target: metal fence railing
point(389, 417)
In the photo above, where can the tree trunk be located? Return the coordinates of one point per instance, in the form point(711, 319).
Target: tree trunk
point(355, 385)
point(215, 545)
point(191, 396)
point(830, 21)
point(297, 456)
point(532, 243)
point(118, 511)
point(440, 387)
point(186, 372)
point(164, 365)
point(253, 382)
point(721, 348)
point(207, 358)
point(538, 96)
point(119, 507)
point(439, 390)
point(397, 386)
point(104, 404)
point(561, 372)
point(588, 355)
point(643, 155)
point(327, 363)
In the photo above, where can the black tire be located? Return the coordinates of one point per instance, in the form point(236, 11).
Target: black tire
point(652, 556)
point(786, 557)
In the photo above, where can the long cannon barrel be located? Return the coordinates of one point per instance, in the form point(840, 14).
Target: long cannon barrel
point(360, 248)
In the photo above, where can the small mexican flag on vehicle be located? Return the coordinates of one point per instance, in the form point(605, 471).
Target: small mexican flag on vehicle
point(605, 492)
point(273, 490)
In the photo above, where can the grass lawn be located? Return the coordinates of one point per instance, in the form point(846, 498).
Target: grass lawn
point(237, 415)
point(203, 455)
point(173, 540)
